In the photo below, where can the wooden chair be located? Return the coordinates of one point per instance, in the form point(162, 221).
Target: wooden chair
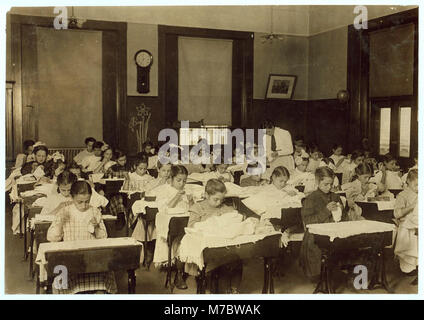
point(175, 230)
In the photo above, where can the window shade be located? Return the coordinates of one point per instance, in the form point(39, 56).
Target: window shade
point(204, 80)
point(70, 86)
point(392, 61)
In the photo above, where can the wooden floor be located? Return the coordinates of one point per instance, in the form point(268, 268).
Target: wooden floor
point(152, 282)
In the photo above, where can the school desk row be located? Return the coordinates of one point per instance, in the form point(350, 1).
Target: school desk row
point(266, 248)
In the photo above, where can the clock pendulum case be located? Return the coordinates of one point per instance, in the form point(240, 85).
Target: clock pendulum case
point(143, 60)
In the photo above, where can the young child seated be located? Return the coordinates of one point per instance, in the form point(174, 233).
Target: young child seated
point(91, 162)
point(301, 177)
point(170, 196)
point(338, 158)
point(140, 178)
point(57, 200)
point(222, 173)
point(89, 142)
point(349, 169)
point(253, 179)
point(406, 211)
point(230, 274)
point(391, 176)
point(105, 161)
point(22, 158)
point(120, 169)
point(299, 148)
point(315, 157)
point(360, 189)
point(80, 221)
point(415, 166)
point(321, 206)
point(147, 150)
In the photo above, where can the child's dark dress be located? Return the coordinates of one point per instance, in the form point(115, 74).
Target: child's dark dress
point(315, 210)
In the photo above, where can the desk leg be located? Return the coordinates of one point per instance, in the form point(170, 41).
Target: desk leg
point(131, 281)
point(25, 238)
point(266, 276)
point(145, 226)
point(201, 282)
point(168, 283)
point(20, 219)
point(379, 278)
point(31, 254)
point(37, 285)
point(324, 283)
point(271, 278)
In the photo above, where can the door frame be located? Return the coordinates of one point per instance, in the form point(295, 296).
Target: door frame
point(114, 75)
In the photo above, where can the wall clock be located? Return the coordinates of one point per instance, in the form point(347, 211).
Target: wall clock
point(143, 60)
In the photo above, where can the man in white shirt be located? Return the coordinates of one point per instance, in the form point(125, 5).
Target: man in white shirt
point(279, 146)
point(87, 152)
point(93, 161)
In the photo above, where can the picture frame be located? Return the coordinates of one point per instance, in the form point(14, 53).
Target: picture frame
point(280, 86)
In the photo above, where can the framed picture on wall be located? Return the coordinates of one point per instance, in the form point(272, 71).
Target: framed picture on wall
point(280, 86)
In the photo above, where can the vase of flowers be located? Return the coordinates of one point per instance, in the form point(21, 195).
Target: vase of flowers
point(139, 123)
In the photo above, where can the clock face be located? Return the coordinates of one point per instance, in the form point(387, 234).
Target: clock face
point(143, 59)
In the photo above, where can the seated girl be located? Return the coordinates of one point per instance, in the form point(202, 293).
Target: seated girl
point(221, 173)
point(299, 148)
point(314, 159)
point(35, 170)
point(57, 200)
point(301, 177)
point(215, 190)
point(22, 158)
point(171, 196)
point(406, 211)
point(349, 169)
point(120, 169)
point(55, 166)
point(164, 171)
point(253, 179)
point(91, 162)
point(80, 221)
point(321, 206)
point(105, 161)
point(360, 189)
point(391, 177)
point(140, 178)
point(338, 158)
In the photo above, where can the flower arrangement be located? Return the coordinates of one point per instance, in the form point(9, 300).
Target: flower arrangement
point(139, 123)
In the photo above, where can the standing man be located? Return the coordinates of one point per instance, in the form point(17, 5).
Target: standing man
point(89, 142)
point(279, 146)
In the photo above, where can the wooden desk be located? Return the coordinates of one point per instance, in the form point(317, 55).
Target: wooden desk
point(100, 256)
point(370, 212)
point(29, 211)
point(375, 242)
point(39, 235)
point(266, 248)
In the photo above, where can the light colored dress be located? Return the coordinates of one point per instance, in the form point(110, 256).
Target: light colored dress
point(81, 156)
point(354, 193)
point(71, 224)
point(407, 239)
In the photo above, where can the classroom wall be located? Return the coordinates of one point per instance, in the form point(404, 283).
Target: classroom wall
point(327, 64)
point(287, 56)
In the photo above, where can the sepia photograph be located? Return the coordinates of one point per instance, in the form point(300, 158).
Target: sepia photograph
point(218, 150)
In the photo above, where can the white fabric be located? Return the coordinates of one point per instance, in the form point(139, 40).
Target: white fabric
point(218, 231)
point(347, 229)
point(407, 242)
point(90, 163)
point(64, 246)
point(393, 180)
point(269, 201)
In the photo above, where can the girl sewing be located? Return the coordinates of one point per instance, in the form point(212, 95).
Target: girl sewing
point(320, 206)
point(349, 169)
point(230, 274)
point(105, 161)
point(22, 158)
point(360, 189)
point(80, 221)
point(140, 178)
point(171, 196)
point(406, 211)
point(62, 195)
point(338, 158)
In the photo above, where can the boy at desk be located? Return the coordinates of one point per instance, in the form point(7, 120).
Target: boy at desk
point(212, 206)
